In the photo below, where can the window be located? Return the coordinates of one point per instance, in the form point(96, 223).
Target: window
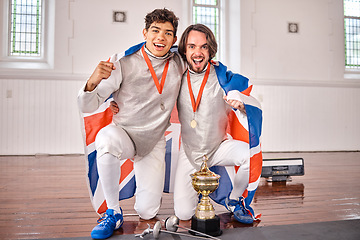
point(29, 27)
point(352, 33)
point(207, 13)
point(25, 28)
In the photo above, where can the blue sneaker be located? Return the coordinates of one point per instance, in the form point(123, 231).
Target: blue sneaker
point(107, 224)
point(240, 213)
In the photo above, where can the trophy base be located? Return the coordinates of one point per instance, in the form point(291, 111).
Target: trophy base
point(207, 226)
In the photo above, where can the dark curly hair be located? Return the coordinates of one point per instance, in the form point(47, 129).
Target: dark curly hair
point(161, 16)
point(210, 38)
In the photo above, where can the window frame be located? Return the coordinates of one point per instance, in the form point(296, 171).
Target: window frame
point(15, 30)
point(46, 58)
point(349, 67)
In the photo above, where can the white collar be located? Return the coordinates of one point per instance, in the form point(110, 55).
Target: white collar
point(204, 70)
point(152, 55)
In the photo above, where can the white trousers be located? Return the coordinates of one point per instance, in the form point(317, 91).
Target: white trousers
point(230, 153)
point(114, 145)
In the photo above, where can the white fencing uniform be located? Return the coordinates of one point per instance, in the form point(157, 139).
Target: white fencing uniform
point(139, 127)
point(207, 138)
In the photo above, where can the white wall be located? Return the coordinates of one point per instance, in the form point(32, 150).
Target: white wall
point(96, 37)
point(308, 105)
point(314, 54)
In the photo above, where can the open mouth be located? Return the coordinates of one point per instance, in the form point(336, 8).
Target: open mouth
point(159, 46)
point(197, 61)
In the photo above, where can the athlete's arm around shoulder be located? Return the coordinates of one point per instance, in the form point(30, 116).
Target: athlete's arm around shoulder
point(181, 63)
point(105, 80)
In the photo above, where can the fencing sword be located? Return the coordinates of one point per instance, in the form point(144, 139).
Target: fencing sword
point(172, 224)
point(157, 229)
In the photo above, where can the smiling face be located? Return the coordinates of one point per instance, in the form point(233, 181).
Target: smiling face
point(197, 51)
point(159, 38)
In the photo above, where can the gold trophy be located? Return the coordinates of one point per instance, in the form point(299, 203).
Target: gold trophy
point(205, 182)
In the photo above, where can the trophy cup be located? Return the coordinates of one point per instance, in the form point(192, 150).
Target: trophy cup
point(205, 182)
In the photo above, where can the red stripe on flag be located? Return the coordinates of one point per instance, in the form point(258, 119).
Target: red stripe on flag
point(247, 91)
point(174, 115)
point(255, 167)
point(126, 169)
point(102, 208)
point(95, 122)
point(245, 194)
point(236, 129)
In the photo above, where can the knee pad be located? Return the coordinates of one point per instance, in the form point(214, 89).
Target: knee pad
point(184, 214)
point(185, 208)
point(102, 138)
point(114, 140)
point(147, 206)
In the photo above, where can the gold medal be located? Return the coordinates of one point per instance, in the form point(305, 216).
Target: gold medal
point(193, 123)
point(196, 103)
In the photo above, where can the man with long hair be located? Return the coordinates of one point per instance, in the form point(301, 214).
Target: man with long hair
point(203, 107)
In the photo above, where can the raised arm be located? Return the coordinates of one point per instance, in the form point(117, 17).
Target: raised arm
point(101, 72)
point(104, 81)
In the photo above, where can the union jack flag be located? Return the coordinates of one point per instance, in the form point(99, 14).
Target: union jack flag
point(91, 125)
point(247, 129)
point(243, 128)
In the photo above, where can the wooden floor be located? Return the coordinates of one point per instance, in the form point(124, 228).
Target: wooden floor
point(47, 197)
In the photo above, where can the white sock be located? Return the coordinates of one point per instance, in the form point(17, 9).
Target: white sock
point(241, 182)
point(109, 176)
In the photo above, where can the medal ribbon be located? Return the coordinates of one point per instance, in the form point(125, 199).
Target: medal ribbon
point(158, 85)
point(195, 105)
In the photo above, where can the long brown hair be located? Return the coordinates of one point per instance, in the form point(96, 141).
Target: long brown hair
point(211, 41)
